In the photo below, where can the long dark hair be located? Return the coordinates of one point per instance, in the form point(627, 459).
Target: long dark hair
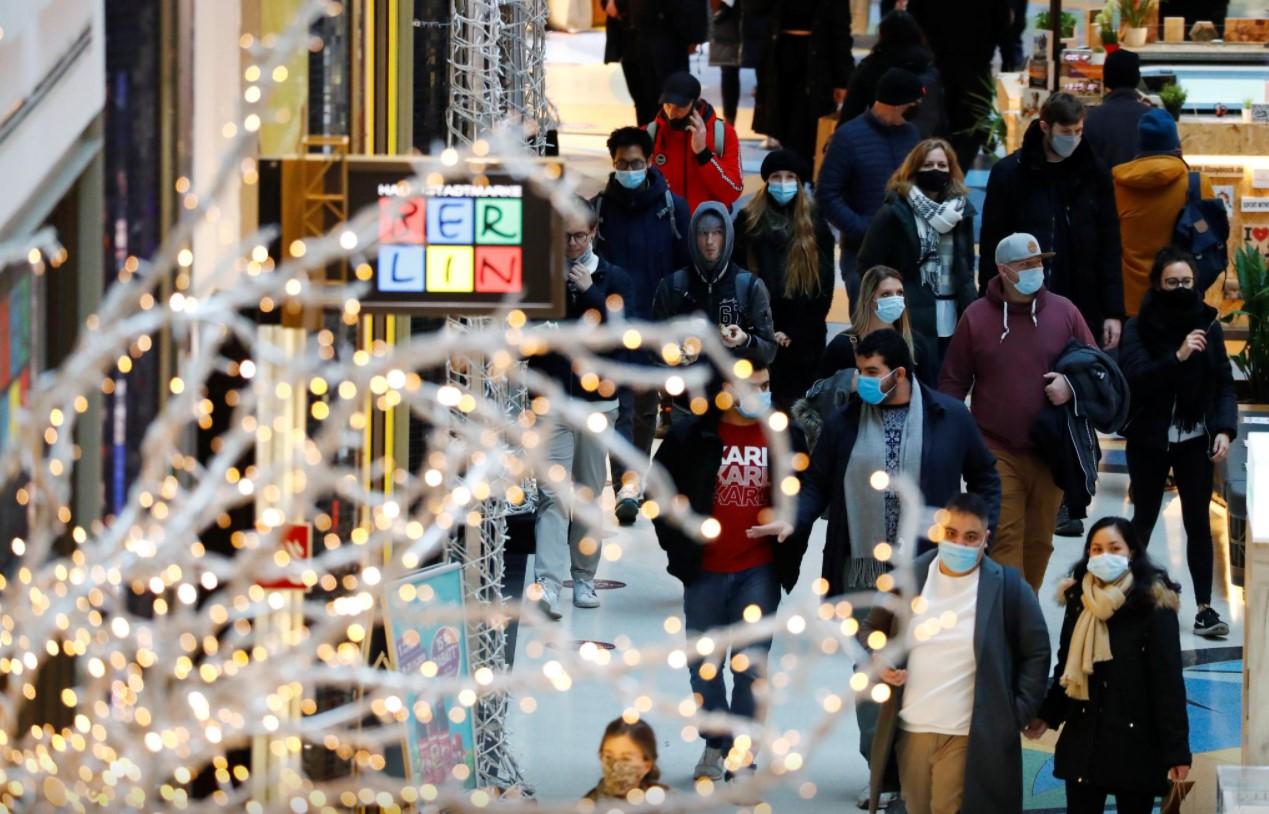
point(897, 32)
point(644, 737)
point(1144, 570)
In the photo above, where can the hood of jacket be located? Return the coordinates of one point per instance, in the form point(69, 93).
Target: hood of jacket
point(1034, 158)
point(729, 239)
point(651, 194)
point(1151, 172)
point(1160, 594)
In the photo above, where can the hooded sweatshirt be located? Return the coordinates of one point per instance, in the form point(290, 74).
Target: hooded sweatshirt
point(710, 289)
point(1150, 193)
point(1001, 351)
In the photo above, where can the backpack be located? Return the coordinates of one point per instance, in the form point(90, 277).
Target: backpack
point(1202, 229)
point(666, 213)
point(678, 282)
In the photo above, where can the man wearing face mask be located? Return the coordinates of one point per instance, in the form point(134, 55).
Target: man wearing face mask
point(593, 286)
point(720, 462)
point(862, 156)
point(693, 147)
point(1004, 350)
point(1056, 188)
point(959, 699)
point(715, 287)
point(898, 426)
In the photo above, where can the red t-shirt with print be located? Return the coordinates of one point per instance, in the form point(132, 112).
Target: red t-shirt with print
point(741, 493)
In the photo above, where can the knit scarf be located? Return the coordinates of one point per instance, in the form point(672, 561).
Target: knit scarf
point(1162, 329)
point(866, 506)
point(935, 222)
point(1090, 641)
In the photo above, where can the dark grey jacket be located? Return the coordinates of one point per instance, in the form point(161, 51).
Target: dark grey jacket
point(1111, 127)
point(1011, 647)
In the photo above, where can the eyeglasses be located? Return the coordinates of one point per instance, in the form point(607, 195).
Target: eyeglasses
point(624, 166)
point(577, 237)
point(1173, 283)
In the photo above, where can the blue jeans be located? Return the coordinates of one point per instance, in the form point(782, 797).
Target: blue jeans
point(717, 601)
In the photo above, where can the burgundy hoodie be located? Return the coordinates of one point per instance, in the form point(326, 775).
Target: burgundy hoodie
point(1002, 351)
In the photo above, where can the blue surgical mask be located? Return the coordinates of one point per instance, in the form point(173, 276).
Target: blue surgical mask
point(889, 309)
point(1029, 281)
point(782, 191)
point(1108, 567)
point(631, 179)
point(1064, 146)
point(959, 559)
point(761, 404)
point(869, 388)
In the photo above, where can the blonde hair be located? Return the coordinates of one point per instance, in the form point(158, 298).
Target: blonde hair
point(864, 311)
point(904, 178)
point(802, 268)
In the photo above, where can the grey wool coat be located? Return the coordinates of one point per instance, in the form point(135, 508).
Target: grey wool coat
point(1011, 646)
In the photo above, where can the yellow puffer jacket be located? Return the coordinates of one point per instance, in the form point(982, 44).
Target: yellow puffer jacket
point(1149, 194)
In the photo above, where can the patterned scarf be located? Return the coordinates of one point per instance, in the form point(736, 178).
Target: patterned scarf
point(934, 222)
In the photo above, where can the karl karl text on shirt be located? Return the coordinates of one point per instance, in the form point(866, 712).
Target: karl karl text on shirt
point(743, 477)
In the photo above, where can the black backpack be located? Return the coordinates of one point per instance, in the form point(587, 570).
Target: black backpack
point(678, 282)
point(1202, 229)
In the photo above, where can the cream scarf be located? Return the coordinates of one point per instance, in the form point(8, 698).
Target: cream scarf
point(1090, 641)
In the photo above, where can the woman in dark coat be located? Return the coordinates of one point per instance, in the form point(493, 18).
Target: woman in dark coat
point(900, 44)
point(1184, 413)
point(926, 231)
point(805, 71)
point(1117, 691)
point(783, 239)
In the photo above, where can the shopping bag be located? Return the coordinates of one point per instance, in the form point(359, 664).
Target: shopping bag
point(1172, 803)
point(824, 130)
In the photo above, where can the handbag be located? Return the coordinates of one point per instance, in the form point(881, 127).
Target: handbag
point(1172, 803)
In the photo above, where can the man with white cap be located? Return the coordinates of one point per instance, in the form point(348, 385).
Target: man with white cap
point(1004, 351)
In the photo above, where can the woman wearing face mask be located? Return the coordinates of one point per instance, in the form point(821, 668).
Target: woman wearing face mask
point(881, 306)
point(926, 231)
point(1117, 689)
point(781, 237)
point(1185, 415)
point(628, 755)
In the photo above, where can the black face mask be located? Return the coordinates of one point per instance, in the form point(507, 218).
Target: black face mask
point(910, 113)
point(681, 124)
point(1177, 299)
point(933, 182)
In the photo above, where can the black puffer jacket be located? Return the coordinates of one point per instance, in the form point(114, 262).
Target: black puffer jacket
point(691, 455)
point(1156, 379)
point(1133, 727)
point(1070, 208)
point(1066, 438)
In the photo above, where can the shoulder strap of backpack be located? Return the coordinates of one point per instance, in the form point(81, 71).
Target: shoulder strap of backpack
point(599, 216)
point(745, 282)
point(652, 131)
point(720, 137)
point(669, 213)
point(677, 290)
point(1195, 193)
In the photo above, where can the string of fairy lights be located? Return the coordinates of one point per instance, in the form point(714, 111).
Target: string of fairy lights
point(176, 667)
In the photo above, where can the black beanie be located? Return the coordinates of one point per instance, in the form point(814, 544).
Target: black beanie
point(1122, 70)
point(899, 87)
point(784, 161)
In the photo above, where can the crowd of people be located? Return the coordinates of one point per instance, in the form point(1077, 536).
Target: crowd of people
point(1075, 312)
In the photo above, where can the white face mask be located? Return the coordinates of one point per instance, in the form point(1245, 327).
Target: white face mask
point(1108, 567)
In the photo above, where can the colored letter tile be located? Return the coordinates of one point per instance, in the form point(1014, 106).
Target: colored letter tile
point(450, 269)
point(451, 221)
point(401, 220)
point(401, 268)
point(499, 222)
point(498, 270)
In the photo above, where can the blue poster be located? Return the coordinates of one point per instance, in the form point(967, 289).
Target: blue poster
point(427, 639)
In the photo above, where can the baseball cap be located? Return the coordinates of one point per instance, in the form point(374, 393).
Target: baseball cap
point(681, 89)
point(1018, 247)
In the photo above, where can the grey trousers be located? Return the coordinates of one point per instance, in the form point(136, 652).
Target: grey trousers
point(559, 538)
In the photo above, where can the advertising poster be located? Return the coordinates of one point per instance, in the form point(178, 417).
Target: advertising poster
point(427, 640)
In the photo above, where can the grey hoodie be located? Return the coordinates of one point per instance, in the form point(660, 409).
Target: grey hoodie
point(710, 290)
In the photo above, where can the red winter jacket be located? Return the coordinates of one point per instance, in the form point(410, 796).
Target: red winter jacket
point(713, 175)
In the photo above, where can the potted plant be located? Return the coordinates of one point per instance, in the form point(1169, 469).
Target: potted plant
point(1044, 23)
point(989, 123)
point(1173, 97)
point(1247, 110)
point(1135, 15)
point(1253, 359)
point(1106, 26)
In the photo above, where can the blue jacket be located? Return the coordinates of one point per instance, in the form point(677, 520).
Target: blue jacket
point(952, 449)
point(862, 156)
point(643, 231)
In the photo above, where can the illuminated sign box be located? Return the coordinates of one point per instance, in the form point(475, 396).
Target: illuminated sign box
point(461, 247)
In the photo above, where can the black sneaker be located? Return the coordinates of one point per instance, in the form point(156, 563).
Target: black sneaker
point(627, 511)
point(1068, 526)
point(1207, 623)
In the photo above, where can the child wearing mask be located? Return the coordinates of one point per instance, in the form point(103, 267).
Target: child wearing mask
point(628, 756)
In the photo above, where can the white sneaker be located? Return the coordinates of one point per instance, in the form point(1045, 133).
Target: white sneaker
point(584, 595)
point(883, 800)
point(710, 766)
point(549, 602)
